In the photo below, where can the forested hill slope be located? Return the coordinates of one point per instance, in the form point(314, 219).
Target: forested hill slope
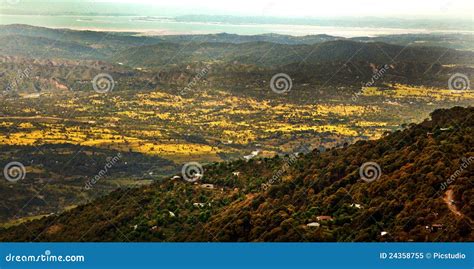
point(422, 192)
point(271, 54)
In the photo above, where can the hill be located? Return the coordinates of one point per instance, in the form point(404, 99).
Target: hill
point(44, 48)
point(267, 49)
point(422, 192)
point(104, 42)
point(272, 54)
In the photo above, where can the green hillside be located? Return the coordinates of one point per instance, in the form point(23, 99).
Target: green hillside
point(319, 196)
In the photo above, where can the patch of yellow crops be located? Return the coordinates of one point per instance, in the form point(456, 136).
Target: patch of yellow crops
point(370, 124)
point(160, 123)
point(289, 128)
point(424, 93)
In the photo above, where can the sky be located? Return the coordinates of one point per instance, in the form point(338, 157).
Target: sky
point(458, 9)
point(311, 8)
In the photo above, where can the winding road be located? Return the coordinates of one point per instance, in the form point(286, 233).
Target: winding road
point(448, 198)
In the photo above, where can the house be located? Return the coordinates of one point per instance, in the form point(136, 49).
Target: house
point(383, 233)
point(324, 218)
point(172, 214)
point(236, 174)
point(435, 227)
point(256, 152)
point(313, 224)
point(201, 205)
point(446, 129)
point(248, 157)
point(207, 186)
point(252, 155)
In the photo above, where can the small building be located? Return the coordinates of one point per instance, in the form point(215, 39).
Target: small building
point(236, 174)
point(358, 206)
point(200, 205)
point(256, 152)
point(252, 155)
point(313, 224)
point(249, 157)
point(207, 186)
point(435, 227)
point(446, 129)
point(324, 218)
point(383, 233)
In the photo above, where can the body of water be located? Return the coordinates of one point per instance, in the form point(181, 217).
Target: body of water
point(168, 26)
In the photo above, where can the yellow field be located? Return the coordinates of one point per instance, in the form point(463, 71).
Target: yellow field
point(167, 125)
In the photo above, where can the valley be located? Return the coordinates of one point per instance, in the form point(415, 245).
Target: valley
point(127, 112)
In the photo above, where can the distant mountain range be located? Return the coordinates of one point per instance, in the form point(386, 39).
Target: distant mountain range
point(274, 54)
point(146, 62)
point(71, 44)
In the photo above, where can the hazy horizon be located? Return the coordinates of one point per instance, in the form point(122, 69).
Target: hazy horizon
point(402, 9)
point(250, 17)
